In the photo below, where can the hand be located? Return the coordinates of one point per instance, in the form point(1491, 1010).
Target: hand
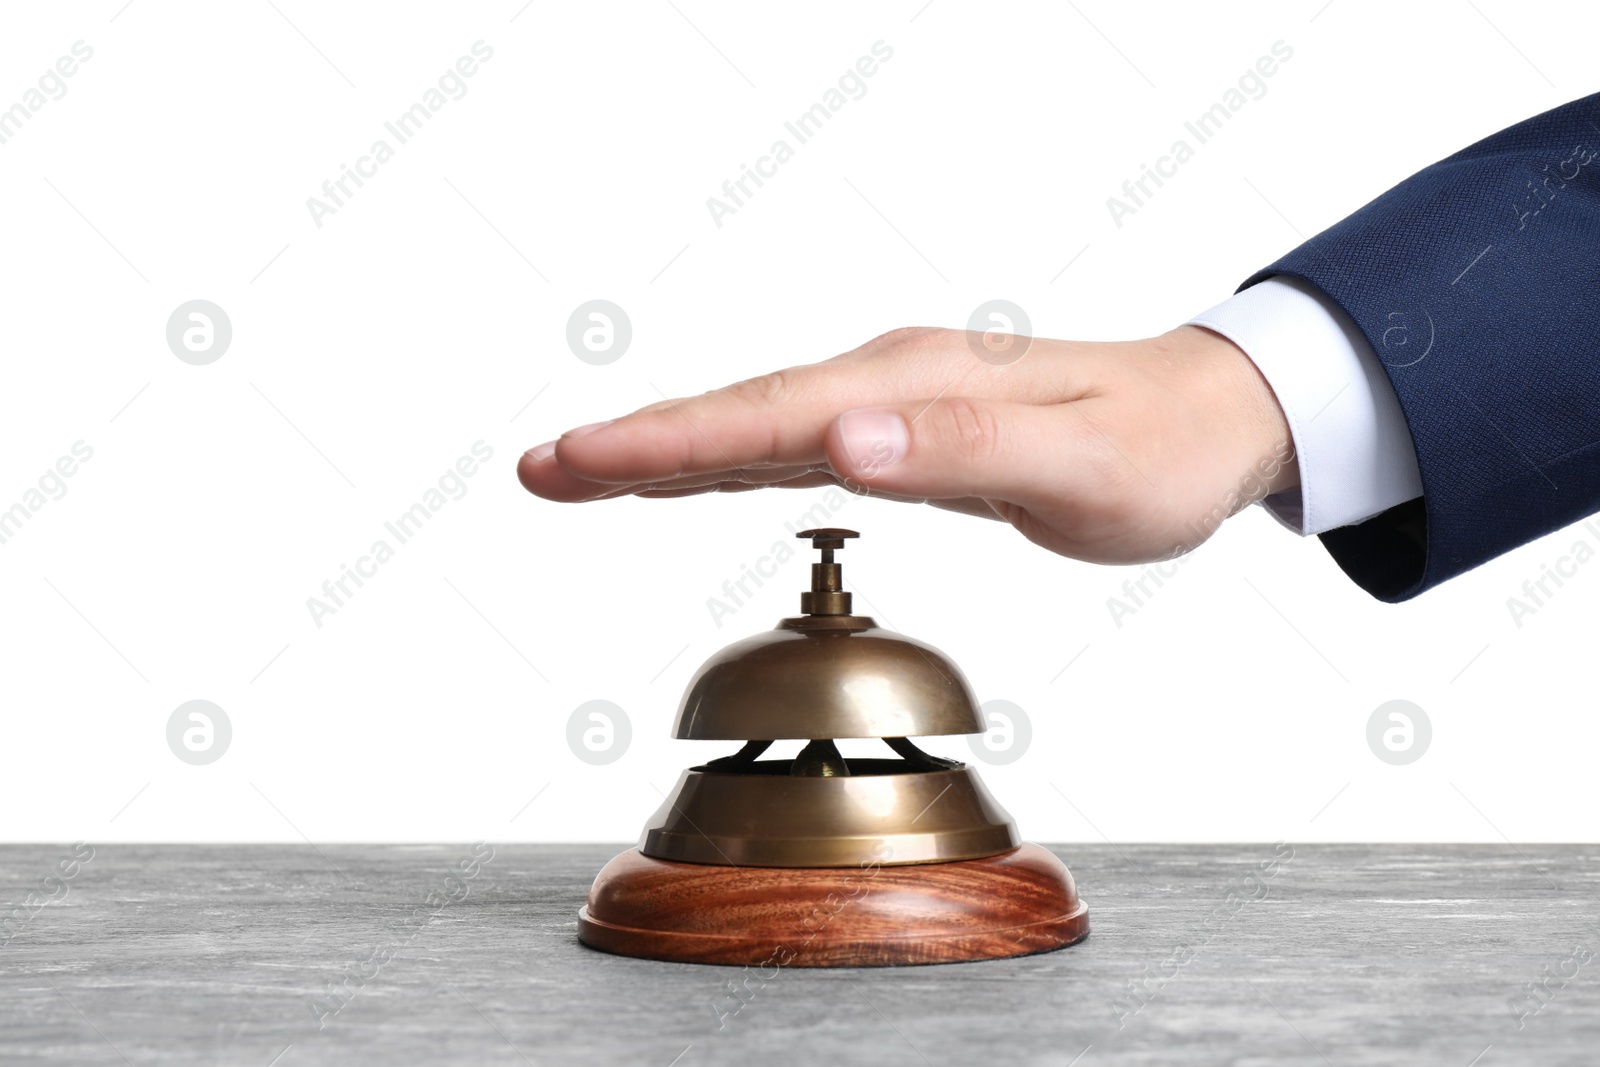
point(1118, 452)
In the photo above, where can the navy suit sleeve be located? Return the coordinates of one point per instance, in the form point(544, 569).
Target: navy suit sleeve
point(1477, 283)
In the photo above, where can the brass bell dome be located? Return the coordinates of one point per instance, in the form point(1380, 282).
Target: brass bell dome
point(827, 674)
point(818, 677)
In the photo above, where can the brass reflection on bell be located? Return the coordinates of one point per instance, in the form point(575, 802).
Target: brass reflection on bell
point(909, 859)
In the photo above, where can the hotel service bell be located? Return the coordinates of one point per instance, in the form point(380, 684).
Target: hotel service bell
point(821, 860)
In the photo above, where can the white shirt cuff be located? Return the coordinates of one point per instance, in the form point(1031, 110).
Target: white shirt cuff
point(1354, 449)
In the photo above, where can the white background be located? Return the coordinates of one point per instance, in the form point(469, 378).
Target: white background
point(415, 322)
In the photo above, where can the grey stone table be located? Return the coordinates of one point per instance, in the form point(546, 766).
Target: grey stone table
point(394, 954)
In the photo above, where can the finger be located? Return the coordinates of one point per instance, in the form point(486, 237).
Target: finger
point(543, 476)
point(965, 506)
point(778, 418)
point(955, 447)
point(753, 477)
point(815, 480)
point(782, 418)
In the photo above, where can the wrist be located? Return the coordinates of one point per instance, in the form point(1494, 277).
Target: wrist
point(1255, 440)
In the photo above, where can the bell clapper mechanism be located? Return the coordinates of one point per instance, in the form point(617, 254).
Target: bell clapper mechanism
point(824, 860)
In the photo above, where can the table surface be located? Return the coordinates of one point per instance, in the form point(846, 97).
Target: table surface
point(338, 954)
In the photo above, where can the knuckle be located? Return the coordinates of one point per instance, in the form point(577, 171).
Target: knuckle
point(906, 338)
point(773, 389)
point(971, 428)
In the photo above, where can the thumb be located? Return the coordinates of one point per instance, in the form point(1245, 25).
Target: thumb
point(959, 446)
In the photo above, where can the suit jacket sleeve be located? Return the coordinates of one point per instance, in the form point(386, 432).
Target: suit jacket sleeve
point(1477, 283)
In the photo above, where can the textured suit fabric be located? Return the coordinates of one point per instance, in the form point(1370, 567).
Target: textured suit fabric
point(1477, 283)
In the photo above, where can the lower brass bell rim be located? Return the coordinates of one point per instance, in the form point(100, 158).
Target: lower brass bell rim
point(764, 817)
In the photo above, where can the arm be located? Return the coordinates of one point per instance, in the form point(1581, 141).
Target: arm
point(1134, 451)
point(1476, 283)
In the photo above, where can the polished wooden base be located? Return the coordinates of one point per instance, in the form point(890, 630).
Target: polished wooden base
point(1013, 904)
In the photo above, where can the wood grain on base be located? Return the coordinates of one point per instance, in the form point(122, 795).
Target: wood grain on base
point(1019, 902)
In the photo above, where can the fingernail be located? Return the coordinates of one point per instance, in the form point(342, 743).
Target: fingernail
point(588, 428)
point(873, 439)
point(540, 453)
